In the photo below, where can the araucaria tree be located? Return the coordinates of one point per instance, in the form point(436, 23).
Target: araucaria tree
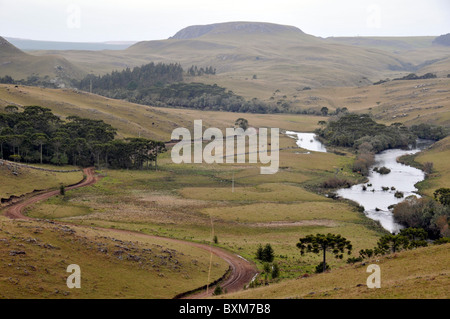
point(319, 243)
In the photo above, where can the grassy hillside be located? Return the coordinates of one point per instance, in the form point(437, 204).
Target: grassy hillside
point(438, 154)
point(140, 120)
point(21, 65)
point(279, 56)
point(421, 273)
point(28, 180)
point(35, 256)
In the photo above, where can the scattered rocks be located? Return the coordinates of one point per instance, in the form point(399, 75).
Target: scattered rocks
point(16, 252)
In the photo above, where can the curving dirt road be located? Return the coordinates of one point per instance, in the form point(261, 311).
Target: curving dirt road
point(242, 271)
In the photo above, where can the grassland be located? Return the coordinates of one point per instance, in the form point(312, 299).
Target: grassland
point(36, 254)
point(418, 274)
point(438, 154)
point(27, 180)
point(194, 201)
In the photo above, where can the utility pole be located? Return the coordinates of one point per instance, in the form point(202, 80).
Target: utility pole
point(232, 184)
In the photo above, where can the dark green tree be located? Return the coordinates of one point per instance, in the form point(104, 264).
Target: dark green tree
point(268, 253)
point(319, 243)
point(442, 195)
point(242, 123)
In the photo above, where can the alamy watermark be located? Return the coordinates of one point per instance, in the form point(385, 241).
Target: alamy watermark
point(74, 280)
point(213, 152)
point(374, 280)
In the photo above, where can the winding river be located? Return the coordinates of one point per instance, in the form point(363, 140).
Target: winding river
point(371, 195)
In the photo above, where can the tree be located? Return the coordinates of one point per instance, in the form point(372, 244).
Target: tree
point(259, 252)
point(442, 195)
point(218, 291)
point(416, 237)
point(319, 243)
point(392, 243)
point(324, 111)
point(39, 139)
point(265, 254)
point(268, 254)
point(275, 271)
point(242, 123)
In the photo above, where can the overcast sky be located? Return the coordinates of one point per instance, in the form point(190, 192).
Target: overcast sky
point(134, 20)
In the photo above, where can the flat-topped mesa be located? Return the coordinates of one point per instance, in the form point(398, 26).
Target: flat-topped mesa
point(250, 28)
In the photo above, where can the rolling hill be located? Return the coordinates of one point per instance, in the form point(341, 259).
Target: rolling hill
point(253, 58)
point(21, 65)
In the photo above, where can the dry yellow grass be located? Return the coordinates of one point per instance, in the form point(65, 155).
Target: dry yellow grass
point(420, 273)
point(113, 264)
point(29, 180)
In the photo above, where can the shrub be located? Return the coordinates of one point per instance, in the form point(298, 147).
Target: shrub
point(335, 182)
point(382, 170)
point(265, 254)
point(275, 271)
point(398, 194)
point(62, 190)
point(424, 213)
point(353, 260)
point(319, 267)
point(218, 290)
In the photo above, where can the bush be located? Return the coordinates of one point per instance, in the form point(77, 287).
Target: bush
point(265, 254)
point(62, 190)
point(382, 170)
point(398, 194)
point(319, 268)
point(275, 271)
point(423, 213)
point(335, 182)
point(353, 260)
point(218, 291)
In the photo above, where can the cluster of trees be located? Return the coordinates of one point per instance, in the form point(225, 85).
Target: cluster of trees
point(429, 132)
point(265, 254)
point(147, 75)
point(352, 130)
point(196, 71)
point(37, 135)
point(162, 85)
point(413, 76)
point(431, 215)
point(361, 132)
point(197, 96)
point(32, 80)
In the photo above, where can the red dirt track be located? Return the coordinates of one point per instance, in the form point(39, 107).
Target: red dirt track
point(242, 271)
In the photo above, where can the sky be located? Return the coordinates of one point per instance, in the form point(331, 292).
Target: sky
point(137, 20)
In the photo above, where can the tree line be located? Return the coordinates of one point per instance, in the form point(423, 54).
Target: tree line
point(368, 137)
point(36, 135)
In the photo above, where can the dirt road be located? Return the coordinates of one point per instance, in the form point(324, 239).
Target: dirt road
point(242, 271)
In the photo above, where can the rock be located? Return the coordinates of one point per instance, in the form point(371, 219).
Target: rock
point(15, 253)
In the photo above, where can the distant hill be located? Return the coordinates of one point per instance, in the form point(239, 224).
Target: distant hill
point(255, 59)
point(21, 65)
point(443, 40)
point(31, 45)
point(235, 28)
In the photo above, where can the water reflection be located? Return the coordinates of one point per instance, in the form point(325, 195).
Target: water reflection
point(375, 200)
point(307, 141)
point(371, 195)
